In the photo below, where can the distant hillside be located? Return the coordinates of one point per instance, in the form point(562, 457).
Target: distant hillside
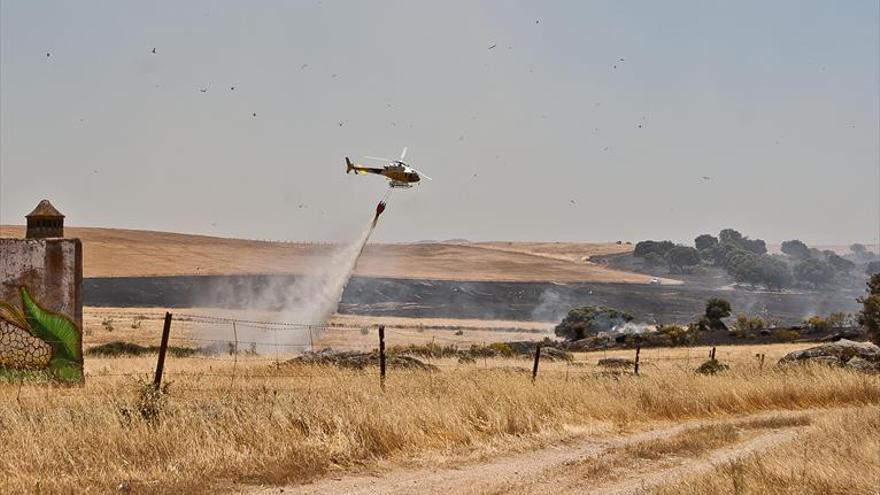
point(131, 253)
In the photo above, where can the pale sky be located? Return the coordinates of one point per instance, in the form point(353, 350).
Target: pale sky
point(536, 139)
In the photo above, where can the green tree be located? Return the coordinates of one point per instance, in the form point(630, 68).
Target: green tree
point(716, 309)
point(816, 273)
point(796, 249)
point(869, 317)
point(643, 248)
point(682, 258)
point(705, 241)
point(858, 249)
point(730, 236)
point(839, 263)
point(582, 322)
point(654, 260)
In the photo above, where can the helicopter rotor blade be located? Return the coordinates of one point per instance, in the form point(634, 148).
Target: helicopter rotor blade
point(403, 153)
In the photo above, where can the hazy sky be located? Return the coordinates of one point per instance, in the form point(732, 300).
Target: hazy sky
point(538, 138)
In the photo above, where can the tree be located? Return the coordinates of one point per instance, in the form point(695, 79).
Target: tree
point(816, 273)
point(730, 236)
point(590, 320)
point(705, 241)
point(872, 267)
point(643, 248)
point(653, 260)
point(682, 258)
point(858, 249)
point(755, 269)
point(839, 263)
point(869, 317)
point(716, 309)
point(757, 246)
point(796, 249)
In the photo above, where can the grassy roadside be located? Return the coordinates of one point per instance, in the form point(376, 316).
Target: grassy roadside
point(293, 424)
point(840, 453)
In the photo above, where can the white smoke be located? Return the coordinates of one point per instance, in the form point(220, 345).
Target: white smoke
point(627, 328)
point(308, 302)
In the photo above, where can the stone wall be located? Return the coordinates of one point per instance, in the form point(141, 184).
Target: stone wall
point(51, 270)
point(41, 308)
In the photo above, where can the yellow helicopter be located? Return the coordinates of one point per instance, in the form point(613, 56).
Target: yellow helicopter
point(399, 173)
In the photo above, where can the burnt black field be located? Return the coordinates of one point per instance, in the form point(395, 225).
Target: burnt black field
point(530, 301)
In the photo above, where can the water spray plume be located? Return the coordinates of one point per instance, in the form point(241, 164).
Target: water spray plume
point(311, 299)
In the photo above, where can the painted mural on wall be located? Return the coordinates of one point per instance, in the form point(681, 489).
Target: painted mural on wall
point(35, 339)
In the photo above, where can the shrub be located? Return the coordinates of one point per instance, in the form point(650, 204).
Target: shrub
point(747, 324)
point(502, 348)
point(712, 366)
point(677, 334)
point(786, 334)
point(590, 320)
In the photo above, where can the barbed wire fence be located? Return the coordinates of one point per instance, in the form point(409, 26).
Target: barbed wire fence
point(260, 351)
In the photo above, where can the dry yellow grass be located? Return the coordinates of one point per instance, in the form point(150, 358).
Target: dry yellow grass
point(143, 326)
point(127, 253)
point(293, 423)
point(839, 454)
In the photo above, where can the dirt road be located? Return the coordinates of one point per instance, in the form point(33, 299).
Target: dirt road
point(593, 465)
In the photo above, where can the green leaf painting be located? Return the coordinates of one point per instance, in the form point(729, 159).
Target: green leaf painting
point(55, 329)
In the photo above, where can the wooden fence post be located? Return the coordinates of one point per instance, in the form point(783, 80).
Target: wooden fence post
point(537, 359)
point(762, 360)
point(638, 351)
point(712, 354)
point(163, 347)
point(382, 356)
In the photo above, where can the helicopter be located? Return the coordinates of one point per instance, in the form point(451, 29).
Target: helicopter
point(399, 173)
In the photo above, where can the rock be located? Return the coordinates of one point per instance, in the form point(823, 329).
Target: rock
point(835, 353)
point(617, 363)
point(553, 354)
point(359, 360)
point(863, 365)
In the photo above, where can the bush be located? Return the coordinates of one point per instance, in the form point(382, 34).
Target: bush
point(502, 348)
point(748, 324)
point(711, 366)
point(677, 334)
point(586, 321)
point(786, 334)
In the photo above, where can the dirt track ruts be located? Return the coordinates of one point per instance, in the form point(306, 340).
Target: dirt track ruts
point(539, 471)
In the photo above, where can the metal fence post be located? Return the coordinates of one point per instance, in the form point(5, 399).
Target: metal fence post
point(163, 347)
point(382, 356)
point(638, 351)
point(537, 359)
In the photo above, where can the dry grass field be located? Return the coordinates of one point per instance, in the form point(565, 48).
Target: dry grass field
point(237, 423)
point(130, 253)
point(143, 326)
